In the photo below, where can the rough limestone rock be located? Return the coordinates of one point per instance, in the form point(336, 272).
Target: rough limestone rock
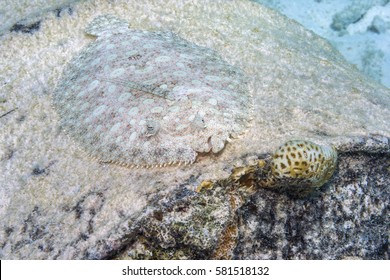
point(348, 219)
point(58, 203)
point(24, 15)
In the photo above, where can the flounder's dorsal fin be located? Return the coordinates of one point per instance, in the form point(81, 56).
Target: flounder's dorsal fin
point(106, 23)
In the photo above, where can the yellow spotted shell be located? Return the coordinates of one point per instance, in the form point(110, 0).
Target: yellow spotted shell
point(303, 162)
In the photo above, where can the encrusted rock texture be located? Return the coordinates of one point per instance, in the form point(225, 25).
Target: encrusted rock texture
point(57, 203)
point(347, 219)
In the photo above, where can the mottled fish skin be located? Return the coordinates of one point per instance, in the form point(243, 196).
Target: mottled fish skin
point(141, 98)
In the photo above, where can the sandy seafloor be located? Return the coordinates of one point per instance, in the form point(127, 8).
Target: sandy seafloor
point(361, 32)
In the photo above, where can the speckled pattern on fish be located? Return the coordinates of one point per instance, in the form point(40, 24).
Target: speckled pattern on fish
point(140, 98)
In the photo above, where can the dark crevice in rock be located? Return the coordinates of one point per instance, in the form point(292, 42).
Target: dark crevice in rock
point(26, 28)
point(60, 11)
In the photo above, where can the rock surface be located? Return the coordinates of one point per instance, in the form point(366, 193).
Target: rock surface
point(348, 219)
point(57, 203)
point(23, 15)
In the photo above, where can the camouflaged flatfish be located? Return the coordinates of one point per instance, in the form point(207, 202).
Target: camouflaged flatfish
point(141, 98)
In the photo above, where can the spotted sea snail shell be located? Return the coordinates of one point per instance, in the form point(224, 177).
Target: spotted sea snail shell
point(300, 162)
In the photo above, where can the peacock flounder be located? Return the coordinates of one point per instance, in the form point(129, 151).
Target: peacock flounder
point(145, 99)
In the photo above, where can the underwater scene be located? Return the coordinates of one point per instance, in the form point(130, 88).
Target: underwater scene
point(195, 130)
